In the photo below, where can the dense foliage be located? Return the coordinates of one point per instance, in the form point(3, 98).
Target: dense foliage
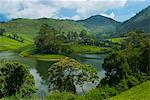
point(15, 79)
point(2, 31)
point(50, 41)
point(138, 22)
point(130, 66)
point(67, 73)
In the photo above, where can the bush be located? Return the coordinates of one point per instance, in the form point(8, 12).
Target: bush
point(16, 79)
point(61, 96)
point(101, 93)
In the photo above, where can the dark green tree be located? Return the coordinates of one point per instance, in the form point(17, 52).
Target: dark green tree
point(2, 31)
point(48, 40)
point(65, 74)
point(16, 79)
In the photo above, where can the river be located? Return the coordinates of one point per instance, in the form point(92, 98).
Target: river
point(39, 69)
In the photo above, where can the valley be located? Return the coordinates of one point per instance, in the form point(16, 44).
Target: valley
point(97, 58)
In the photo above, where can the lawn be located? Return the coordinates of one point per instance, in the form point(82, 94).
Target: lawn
point(11, 44)
point(47, 57)
point(29, 51)
point(117, 40)
point(140, 92)
point(88, 49)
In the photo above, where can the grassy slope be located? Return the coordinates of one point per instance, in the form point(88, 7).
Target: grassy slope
point(116, 40)
point(25, 48)
point(140, 92)
point(30, 26)
point(10, 44)
point(87, 49)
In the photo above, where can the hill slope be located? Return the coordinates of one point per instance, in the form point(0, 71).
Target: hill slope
point(141, 21)
point(11, 44)
point(30, 26)
point(140, 92)
point(100, 24)
point(94, 24)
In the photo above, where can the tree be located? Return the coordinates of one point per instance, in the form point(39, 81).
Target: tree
point(145, 56)
point(83, 34)
point(67, 73)
point(130, 66)
point(16, 79)
point(2, 31)
point(48, 40)
point(72, 36)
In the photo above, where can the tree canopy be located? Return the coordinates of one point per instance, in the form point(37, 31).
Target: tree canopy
point(67, 73)
point(16, 79)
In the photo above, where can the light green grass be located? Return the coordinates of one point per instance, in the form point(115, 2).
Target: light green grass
point(27, 37)
point(29, 51)
point(47, 57)
point(11, 44)
point(140, 92)
point(88, 49)
point(117, 40)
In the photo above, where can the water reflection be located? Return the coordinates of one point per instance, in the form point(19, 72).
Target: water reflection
point(39, 69)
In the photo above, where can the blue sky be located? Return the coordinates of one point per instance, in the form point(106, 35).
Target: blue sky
point(119, 10)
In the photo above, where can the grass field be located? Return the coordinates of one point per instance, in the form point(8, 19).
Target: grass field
point(140, 92)
point(88, 49)
point(10, 44)
point(117, 40)
point(47, 57)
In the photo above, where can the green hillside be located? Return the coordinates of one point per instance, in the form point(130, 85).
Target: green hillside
point(140, 92)
point(100, 24)
point(95, 24)
point(141, 21)
point(30, 26)
point(10, 44)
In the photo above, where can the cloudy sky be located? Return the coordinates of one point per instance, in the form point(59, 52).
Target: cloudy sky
point(119, 10)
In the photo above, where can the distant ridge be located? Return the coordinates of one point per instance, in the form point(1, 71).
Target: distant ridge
point(99, 25)
point(141, 21)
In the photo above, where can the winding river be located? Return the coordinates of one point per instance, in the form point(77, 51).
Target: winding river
point(39, 69)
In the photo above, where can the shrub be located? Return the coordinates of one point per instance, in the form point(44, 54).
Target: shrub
point(16, 79)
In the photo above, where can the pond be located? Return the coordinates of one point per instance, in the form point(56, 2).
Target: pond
point(39, 69)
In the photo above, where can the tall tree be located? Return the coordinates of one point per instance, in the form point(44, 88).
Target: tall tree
point(67, 73)
point(48, 40)
point(15, 79)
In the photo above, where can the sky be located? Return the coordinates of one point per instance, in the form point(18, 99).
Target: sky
point(119, 10)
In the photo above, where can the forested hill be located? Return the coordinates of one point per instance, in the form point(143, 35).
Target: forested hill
point(141, 21)
point(30, 26)
point(95, 24)
point(100, 25)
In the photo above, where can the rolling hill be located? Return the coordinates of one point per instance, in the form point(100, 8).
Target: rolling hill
point(31, 26)
point(100, 25)
point(139, 92)
point(141, 21)
point(95, 24)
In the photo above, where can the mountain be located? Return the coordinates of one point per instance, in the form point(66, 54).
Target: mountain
point(141, 21)
point(95, 24)
point(31, 26)
point(100, 24)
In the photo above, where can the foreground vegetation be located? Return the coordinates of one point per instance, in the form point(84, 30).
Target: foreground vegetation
point(10, 44)
point(125, 70)
point(126, 66)
point(140, 92)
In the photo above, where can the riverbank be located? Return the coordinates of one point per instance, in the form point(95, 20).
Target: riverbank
point(27, 49)
point(77, 49)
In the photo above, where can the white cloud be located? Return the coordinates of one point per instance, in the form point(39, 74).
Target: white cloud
point(51, 8)
point(111, 15)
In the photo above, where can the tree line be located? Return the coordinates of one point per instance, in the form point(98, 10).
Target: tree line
point(12, 36)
